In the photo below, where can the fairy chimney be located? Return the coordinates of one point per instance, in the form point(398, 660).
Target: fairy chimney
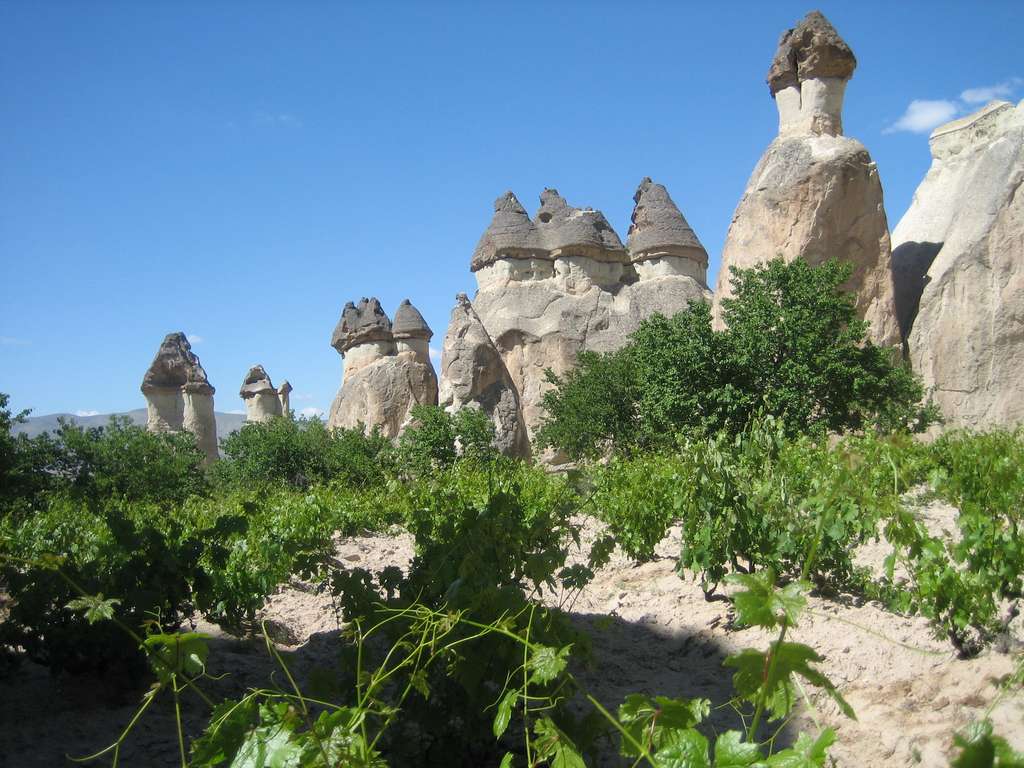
point(411, 333)
point(261, 399)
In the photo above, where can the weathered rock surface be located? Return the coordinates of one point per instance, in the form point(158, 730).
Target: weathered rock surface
point(959, 260)
point(178, 394)
point(815, 194)
point(473, 375)
point(262, 402)
point(562, 283)
point(387, 371)
point(284, 395)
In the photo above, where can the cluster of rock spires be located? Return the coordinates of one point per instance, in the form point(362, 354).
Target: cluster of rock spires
point(951, 293)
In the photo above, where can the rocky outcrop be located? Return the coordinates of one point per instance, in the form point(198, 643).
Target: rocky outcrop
point(959, 261)
point(178, 394)
point(387, 370)
point(815, 194)
point(562, 282)
point(473, 375)
point(284, 396)
point(262, 402)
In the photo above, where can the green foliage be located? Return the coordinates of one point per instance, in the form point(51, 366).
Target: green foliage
point(437, 438)
point(980, 748)
point(302, 453)
point(793, 348)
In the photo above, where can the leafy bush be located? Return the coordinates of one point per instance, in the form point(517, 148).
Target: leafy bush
point(302, 453)
point(793, 348)
point(436, 438)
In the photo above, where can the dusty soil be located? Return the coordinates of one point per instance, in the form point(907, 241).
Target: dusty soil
point(652, 632)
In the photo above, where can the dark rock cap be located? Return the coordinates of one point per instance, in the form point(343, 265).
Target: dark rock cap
point(510, 234)
point(568, 231)
point(812, 48)
point(409, 323)
point(360, 324)
point(659, 227)
point(257, 382)
point(176, 367)
point(285, 388)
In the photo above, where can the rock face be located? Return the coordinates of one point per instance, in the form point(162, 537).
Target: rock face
point(473, 375)
point(815, 194)
point(284, 395)
point(959, 261)
point(262, 402)
point(563, 282)
point(387, 369)
point(178, 394)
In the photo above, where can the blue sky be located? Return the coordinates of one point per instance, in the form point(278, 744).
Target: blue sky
point(240, 171)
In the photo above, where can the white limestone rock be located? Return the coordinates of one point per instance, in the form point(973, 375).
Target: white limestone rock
point(959, 260)
point(473, 375)
point(815, 194)
point(262, 402)
point(179, 396)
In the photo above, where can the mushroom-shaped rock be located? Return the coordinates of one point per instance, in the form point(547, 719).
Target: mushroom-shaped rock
point(511, 234)
point(568, 231)
point(660, 233)
point(283, 394)
point(261, 398)
point(412, 334)
point(808, 77)
point(178, 394)
point(361, 324)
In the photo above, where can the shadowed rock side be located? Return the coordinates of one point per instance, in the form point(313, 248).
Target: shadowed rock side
point(474, 376)
point(959, 261)
point(178, 394)
point(563, 282)
point(387, 369)
point(815, 194)
point(262, 401)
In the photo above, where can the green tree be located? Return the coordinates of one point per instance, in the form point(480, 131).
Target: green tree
point(437, 438)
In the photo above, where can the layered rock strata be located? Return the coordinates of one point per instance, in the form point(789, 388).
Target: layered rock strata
point(562, 282)
point(815, 194)
point(959, 260)
point(473, 375)
point(178, 394)
point(387, 370)
point(262, 401)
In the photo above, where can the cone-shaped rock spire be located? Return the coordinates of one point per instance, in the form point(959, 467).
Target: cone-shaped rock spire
point(812, 48)
point(409, 323)
point(360, 324)
point(568, 231)
point(659, 228)
point(511, 234)
point(257, 382)
point(176, 366)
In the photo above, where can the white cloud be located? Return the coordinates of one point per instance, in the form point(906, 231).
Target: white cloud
point(987, 93)
point(87, 413)
point(194, 338)
point(239, 412)
point(435, 353)
point(312, 413)
point(12, 341)
point(303, 397)
point(923, 115)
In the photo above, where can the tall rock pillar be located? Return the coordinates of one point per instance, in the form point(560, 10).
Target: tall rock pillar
point(179, 396)
point(262, 402)
point(815, 194)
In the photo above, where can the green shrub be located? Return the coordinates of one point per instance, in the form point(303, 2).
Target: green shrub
point(436, 438)
point(793, 348)
point(302, 453)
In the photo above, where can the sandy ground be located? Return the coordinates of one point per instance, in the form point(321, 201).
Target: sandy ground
point(652, 632)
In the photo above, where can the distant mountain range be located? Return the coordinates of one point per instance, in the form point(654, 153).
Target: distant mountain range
point(36, 425)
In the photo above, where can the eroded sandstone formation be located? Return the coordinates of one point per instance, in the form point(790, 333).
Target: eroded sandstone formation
point(387, 369)
point(473, 375)
point(262, 401)
point(815, 194)
point(284, 395)
point(959, 261)
point(178, 394)
point(562, 282)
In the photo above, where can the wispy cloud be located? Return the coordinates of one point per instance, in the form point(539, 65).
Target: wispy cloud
point(237, 412)
point(986, 93)
point(312, 413)
point(87, 413)
point(268, 119)
point(303, 397)
point(435, 353)
point(924, 115)
point(194, 338)
point(13, 341)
